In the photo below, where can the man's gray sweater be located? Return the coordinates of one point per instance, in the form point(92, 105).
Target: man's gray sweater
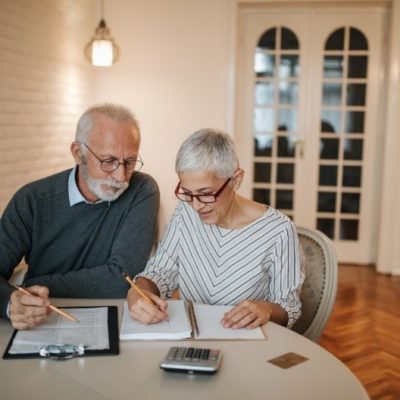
point(80, 250)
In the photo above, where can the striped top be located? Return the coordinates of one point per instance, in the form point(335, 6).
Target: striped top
point(214, 265)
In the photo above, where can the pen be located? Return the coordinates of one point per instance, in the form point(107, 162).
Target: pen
point(54, 308)
point(137, 288)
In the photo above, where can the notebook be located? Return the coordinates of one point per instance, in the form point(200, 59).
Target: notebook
point(180, 325)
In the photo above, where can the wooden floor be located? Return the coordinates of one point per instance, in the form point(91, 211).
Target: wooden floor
point(364, 329)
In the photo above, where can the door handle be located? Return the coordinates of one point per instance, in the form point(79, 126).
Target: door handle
point(299, 142)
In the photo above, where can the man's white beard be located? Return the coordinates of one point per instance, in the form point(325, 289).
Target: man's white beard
point(95, 186)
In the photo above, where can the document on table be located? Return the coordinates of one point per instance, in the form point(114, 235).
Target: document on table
point(91, 331)
point(179, 325)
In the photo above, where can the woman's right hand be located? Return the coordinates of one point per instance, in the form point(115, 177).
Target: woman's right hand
point(144, 311)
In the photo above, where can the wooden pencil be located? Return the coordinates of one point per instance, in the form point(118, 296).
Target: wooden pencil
point(54, 308)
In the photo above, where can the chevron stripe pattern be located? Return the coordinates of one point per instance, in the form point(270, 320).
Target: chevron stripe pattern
point(214, 265)
point(364, 329)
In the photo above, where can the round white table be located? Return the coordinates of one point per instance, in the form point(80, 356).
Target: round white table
point(135, 373)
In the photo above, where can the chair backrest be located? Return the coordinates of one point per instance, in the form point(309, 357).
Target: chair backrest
point(320, 284)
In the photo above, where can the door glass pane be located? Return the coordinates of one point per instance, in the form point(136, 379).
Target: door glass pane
point(327, 201)
point(285, 173)
point(264, 120)
point(264, 64)
point(331, 94)
point(351, 176)
point(268, 39)
point(289, 66)
point(357, 67)
point(356, 94)
point(358, 41)
point(284, 199)
point(286, 147)
point(263, 145)
point(288, 92)
point(329, 149)
point(262, 172)
point(328, 175)
point(335, 40)
point(326, 225)
point(355, 121)
point(287, 120)
point(330, 121)
point(348, 229)
point(289, 40)
point(350, 203)
point(333, 66)
point(264, 93)
point(261, 196)
point(353, 149)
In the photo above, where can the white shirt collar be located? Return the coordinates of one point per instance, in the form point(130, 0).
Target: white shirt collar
point(74, 194)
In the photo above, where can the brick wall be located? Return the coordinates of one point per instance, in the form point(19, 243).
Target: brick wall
point(45, 84)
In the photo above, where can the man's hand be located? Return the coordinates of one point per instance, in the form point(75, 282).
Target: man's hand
point(28, 311)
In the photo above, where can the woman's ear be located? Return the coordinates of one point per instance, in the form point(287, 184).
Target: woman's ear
point(237, 179)
point(76, 152)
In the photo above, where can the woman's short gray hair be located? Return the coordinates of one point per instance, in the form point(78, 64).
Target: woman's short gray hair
point(208, 150)
point(116, 112)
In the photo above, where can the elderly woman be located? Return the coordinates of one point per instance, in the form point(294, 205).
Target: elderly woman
point(220, 247)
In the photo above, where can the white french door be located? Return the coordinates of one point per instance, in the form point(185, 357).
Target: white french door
point(309, 90)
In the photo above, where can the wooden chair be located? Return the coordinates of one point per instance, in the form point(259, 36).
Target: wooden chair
point(320, 284)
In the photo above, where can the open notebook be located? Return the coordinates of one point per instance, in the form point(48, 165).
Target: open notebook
point(180, 324)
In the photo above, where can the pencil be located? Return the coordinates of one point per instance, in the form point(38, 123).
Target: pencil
point(137, 288)
point(54, 308)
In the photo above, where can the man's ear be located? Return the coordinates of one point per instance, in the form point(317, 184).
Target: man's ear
point(76, 152)
point(237, 179)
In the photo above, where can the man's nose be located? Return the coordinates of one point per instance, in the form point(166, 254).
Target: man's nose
point(120, 173)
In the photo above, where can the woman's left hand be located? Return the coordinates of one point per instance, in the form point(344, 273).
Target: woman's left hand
point(249, 314)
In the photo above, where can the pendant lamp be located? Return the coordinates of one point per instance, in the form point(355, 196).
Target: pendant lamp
point(102, 51)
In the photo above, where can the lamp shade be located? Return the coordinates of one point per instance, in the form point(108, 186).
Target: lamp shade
point(102, 50)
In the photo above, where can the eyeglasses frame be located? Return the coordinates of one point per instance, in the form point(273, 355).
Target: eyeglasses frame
point(124, 163)
point(192, 196)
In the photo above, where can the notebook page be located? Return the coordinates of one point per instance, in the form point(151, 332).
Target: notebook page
point(177, 327)
point(209, 321)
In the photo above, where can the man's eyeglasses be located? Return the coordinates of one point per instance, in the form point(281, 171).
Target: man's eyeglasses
point(110, 164)
point(203, 198)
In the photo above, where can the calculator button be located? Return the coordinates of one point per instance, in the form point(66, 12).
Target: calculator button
point(180, 353)
point(205, 354)
point(171, 353)
point(189, 354)
point(214, 355)
point(196, 355)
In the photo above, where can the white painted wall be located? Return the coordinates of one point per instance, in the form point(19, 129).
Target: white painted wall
point(45, 84)
point(173, 73)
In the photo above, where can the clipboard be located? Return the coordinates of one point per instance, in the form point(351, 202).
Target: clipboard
point(79, 350)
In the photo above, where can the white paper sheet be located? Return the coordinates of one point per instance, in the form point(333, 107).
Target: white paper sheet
point(91, 331)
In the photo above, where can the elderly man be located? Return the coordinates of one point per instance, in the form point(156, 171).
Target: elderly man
point(80, 229)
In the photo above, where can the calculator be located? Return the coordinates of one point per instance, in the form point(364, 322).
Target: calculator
point(192, 360)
